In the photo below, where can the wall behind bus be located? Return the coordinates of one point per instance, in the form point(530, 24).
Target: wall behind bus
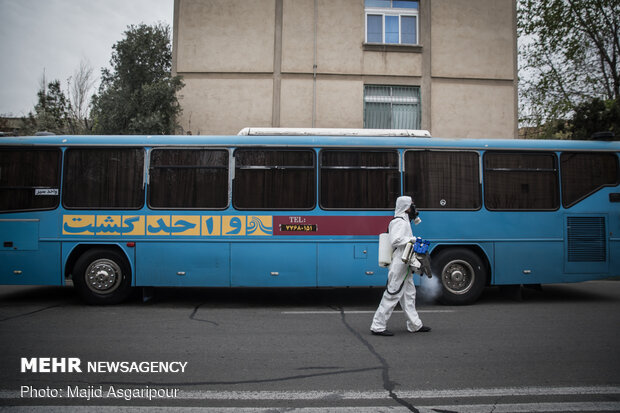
point(304, 63)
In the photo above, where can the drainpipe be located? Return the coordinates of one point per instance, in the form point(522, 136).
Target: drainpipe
point(314, 66)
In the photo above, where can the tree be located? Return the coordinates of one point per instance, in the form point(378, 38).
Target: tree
point(596, 116)
point(570, 51)
point(138, 96)
point(80, 86)
point(51, 113)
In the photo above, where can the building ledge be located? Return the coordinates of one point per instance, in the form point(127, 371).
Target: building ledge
point(383, 47)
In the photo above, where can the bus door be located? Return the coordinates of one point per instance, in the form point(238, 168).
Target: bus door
point(588, 230)
point(29, 182)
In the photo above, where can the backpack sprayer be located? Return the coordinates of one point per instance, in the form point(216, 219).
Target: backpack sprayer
point(416, 256)
point(416, 251)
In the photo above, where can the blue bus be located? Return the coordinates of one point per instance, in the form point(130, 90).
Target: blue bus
point(302, 208)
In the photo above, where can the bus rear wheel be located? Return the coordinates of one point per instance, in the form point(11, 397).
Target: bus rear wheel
point(462, 274)
point(102, 276)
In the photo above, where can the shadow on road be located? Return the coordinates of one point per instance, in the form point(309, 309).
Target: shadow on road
point(590, 291)
point(362, 298)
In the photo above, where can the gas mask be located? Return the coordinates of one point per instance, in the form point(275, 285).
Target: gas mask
point(413, 215)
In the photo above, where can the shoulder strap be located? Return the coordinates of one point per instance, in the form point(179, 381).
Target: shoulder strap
point(388, 229)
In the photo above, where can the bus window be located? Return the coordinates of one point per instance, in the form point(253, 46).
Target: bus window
point(274, 179)
point(520, 181)
point(29, 179)
point(188, 179)
point(585, 173)
point(359, 179)
point(104, 178)
point(443, 179)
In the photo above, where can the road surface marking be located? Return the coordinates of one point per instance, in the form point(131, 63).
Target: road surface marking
point(323, 312)
point(373, 395)
point(461, 408)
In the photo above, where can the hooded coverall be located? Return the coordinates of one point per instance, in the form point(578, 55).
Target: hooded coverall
point(400, 287)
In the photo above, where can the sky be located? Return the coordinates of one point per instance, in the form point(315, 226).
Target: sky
point(56, 35)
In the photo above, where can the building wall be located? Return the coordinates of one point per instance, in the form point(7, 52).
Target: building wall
point(473, 39)
point(473, 69)
point(217, 106)
point(220, 36)
point(254, 63)
point(472, 109)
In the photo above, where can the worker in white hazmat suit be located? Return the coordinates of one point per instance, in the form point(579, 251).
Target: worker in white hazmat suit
point(400, 287)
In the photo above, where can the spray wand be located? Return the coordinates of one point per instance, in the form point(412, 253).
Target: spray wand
point(416, 255)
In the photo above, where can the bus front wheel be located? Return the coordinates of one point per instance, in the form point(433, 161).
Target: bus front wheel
point(462, 274)
point(102, 276)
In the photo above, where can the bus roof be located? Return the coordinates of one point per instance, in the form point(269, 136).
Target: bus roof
point(333, 132)
point(308, 141)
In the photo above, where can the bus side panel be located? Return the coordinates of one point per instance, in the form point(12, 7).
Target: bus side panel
point(350, 264)
point(614, 240)
point(23, 258)
point(528, 262)
point(187, 264)
point(270, 264)
point(31, 267)
point(614, 257)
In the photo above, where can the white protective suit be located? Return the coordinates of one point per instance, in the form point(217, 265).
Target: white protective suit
point(400, 285)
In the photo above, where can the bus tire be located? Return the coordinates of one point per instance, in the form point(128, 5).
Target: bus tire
point(102, 276)
point(462, 273)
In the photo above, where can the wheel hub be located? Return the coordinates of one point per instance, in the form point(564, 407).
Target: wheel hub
point(103, 276)
point(458, 277)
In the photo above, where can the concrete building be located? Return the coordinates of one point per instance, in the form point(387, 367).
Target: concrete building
point(10, 126)
point(448, 66)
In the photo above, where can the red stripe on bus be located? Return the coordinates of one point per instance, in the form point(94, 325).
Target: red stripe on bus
point(332, 225)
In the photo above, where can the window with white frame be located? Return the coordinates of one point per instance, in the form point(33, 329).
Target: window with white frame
point(391, 107)
point(392, 21)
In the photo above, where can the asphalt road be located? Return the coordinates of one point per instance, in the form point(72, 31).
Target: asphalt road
point(311, 350)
